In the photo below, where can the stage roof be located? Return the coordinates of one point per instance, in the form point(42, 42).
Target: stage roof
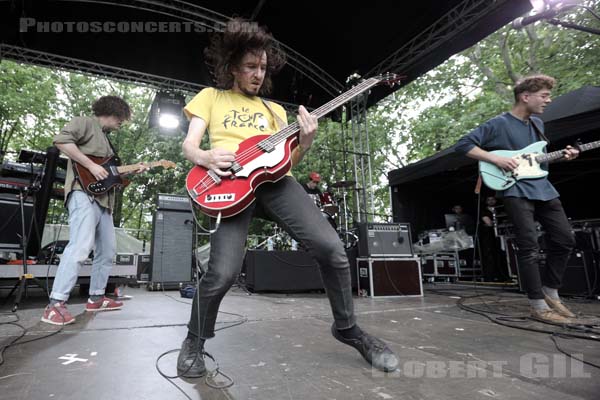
point(326, 40)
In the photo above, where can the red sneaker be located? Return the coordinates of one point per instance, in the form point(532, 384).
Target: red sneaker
point(104, 304)
point(57, 314)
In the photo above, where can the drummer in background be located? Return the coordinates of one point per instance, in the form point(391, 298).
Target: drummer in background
point(312, 186)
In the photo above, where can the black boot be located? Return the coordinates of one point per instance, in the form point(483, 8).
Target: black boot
point(374, 350)
point(190, 363)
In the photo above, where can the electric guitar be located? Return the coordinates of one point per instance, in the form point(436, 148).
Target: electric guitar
point(529, 159)
point(259, 159)
point(115, 179)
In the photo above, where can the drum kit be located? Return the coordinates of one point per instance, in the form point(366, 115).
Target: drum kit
point(333, 207)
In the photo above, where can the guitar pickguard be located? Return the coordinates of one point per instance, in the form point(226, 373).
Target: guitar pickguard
point(264, 160)
point(528, 167)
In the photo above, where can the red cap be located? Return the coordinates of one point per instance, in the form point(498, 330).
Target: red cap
point(315, 177)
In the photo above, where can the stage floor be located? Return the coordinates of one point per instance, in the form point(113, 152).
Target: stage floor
point(285, 350)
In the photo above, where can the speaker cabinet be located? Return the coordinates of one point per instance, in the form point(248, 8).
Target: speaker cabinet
point(284, 271)
point(144, 266)
point(579, 275)
point(10, 221)
point(384, 240)
point(172, 242)
point(389, 277)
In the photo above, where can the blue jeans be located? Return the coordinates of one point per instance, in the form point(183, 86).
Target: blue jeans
point(523, 213)
point(286, 203)
point(90, 224)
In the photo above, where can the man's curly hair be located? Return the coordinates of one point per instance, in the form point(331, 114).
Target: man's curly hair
point(532, 84)
point(240, 37)
point(111, 106)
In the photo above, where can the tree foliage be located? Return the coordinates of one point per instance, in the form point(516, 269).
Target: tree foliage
point(418, 120)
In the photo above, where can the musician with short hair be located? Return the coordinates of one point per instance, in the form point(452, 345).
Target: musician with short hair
point(244, 57)
point(90, 217)
point(312, 185)
point(529, 199)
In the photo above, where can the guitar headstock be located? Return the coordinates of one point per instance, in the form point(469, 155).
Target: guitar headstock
point(390, 79)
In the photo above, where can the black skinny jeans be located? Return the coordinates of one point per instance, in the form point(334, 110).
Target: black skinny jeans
point(286, 203)
point(560, 241)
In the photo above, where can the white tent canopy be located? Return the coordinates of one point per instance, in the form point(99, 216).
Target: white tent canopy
point(125, 242)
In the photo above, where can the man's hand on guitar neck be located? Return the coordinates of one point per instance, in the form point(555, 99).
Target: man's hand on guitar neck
point(308, 127)
point(570, 153)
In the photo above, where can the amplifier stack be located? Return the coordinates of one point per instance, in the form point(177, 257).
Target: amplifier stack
point(386, 266)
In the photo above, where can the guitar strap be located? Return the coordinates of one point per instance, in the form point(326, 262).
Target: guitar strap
point(278, 121)
point(538, 131)
point(117, 158)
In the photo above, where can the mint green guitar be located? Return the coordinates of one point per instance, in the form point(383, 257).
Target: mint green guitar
point(529, 159)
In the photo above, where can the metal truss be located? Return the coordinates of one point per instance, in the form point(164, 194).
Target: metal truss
point(28, 56)
point(361, 154)
point(452, 24)
point(212, 21)
point(20, 54)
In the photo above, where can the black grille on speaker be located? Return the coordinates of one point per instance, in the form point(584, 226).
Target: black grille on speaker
point(10, 221)
point(172, 237)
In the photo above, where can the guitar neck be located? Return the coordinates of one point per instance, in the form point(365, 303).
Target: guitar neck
point(126, 169)
point(325, 109)
point(557, 155)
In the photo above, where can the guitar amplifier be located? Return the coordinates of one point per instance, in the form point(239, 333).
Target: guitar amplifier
point(176, 202)
point(384, 240)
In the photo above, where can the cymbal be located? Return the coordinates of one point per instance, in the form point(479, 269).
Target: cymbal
point(343, 184)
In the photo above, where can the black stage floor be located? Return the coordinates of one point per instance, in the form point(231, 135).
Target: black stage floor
point(284, 350)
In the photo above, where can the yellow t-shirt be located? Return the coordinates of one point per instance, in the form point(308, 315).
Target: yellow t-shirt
point(233, 117)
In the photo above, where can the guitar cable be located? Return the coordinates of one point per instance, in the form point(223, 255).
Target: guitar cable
point(199, 225)
point(210, 374)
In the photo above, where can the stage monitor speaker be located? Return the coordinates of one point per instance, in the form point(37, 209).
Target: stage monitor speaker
point(281, 271)
point(384, 240)
point(389, 277)
point(10, 221)
point(172, 247)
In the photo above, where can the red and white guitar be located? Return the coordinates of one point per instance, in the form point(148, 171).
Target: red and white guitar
point(259, 159)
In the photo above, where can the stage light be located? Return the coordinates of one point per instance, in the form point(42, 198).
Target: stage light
point(168, 121)
point(541, 5)
point(166, 113)
point(538, 5)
